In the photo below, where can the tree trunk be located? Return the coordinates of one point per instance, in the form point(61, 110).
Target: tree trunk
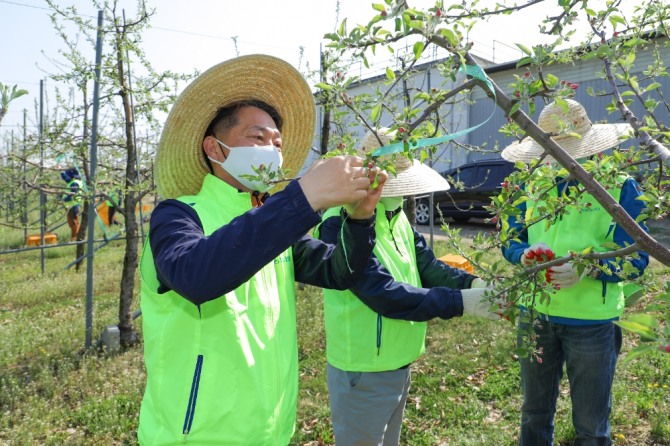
point(128, 335)
point(410, 210)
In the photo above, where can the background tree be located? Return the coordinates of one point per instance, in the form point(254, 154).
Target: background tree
point(7, 95)
point(613, 38)
point(132, 95)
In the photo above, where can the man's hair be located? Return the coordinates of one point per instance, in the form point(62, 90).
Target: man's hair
point(227, 117)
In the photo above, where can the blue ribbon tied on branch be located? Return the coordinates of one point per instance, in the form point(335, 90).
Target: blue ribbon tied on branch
point(471, 70)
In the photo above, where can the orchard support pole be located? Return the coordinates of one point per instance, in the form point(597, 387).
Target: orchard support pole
point(94, 161)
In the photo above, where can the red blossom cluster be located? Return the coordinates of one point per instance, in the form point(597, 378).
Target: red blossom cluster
point(570, 84)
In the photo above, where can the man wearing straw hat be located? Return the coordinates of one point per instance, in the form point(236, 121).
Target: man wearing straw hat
point(369, 350)
point(575, 326)
point(220, 265)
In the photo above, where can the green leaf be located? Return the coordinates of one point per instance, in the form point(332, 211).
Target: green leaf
point(587, 250)
point(332, 36)
point(342, 31)
point(614, 19)
point(652, 86)
point(636, 352)
point(520, 200)
point(378, 7)
point(645, 333)
point(633, 42)
point(416, 24)
point(376, 112)
point(418, 50)
point(18, 93)
point(588, 56)
point(524, 61)
point(323, 86)
point(449, 35)
point(524, 48)
point(643, 319)
point(390, 74)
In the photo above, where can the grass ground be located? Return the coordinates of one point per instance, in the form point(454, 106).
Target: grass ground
point(465, 388)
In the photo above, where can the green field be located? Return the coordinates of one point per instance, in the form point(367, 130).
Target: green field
point(465, 388)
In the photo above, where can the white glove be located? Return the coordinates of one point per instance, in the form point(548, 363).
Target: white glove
point(476, 303)
point(565, 275)
point(480, 283)
point(537, 253)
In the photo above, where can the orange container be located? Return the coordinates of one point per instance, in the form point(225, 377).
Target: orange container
point(103, 212)
point(49, 239)
point(456, 261)
point(145, 208)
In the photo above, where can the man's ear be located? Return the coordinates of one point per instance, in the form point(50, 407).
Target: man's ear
point(211, 148)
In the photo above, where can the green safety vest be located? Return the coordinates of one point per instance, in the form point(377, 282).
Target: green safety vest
point(76, 198)
point(357, 338)
point(592, 226)
point(224, 372)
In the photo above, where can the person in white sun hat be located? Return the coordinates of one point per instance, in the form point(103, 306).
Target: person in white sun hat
point(376, 329)
point(219, 267)
point(575, 327)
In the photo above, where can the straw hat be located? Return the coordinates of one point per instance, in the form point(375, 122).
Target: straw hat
point(180, 165)
point(412, 177)
point(594, 137)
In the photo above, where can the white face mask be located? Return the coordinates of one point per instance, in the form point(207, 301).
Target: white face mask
point(391, 203)
point(241, 161)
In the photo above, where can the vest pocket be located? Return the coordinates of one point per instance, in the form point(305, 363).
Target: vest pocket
point(195, 384)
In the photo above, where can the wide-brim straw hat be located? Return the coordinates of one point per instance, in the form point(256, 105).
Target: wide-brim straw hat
point(180, 164)
point(595, 138)
point(412, 177)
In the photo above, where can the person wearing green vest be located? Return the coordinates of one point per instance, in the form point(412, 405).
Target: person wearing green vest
point(377, 328)
point(112, 203)
point(574, 328)
point(220, 265)
point(72, 199)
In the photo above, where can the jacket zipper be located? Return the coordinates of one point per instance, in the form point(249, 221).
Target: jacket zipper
point(190, 410)
point(379, 333)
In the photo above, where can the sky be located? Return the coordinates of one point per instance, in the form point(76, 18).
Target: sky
point(197, 34)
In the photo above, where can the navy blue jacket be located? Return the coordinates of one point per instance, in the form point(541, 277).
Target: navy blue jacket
point(202, 268)
point(440, 297)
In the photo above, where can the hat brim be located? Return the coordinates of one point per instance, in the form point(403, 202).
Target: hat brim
point(180, 165)
point(599, 138)
point(417, 179)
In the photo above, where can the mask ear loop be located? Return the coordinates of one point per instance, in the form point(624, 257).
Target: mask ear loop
point(220, 147)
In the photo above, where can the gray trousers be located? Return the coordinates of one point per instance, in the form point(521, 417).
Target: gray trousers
point(366, 408)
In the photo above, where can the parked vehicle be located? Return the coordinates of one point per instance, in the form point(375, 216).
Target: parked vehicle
point(472, 187)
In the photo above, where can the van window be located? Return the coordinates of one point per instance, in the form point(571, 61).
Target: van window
point(467, 175)
point(491, 177)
